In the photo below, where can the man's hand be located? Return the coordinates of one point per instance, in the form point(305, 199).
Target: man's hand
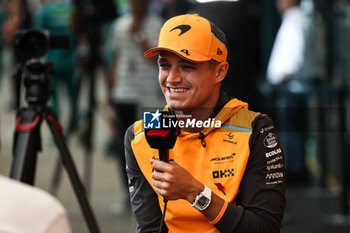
point(174, 182)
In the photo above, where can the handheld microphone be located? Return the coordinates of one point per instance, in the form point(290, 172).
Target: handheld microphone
point(163, 139)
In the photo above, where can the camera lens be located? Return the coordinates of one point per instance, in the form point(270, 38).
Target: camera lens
point(33, 44)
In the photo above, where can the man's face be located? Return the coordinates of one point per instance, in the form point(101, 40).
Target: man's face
point(186, 85)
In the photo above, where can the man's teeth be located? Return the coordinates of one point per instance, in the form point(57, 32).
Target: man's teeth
point(178, 90)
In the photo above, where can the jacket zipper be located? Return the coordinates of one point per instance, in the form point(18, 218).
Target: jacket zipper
point(201, 137)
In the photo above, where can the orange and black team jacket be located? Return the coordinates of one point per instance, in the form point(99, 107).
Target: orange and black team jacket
point(242, 162)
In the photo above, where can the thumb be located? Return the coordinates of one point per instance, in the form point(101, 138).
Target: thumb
point(174, 163)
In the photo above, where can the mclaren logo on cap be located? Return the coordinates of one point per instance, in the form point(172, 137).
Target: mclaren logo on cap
point(184, 28)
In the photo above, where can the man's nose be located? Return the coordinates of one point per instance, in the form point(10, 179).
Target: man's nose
point(174, 76)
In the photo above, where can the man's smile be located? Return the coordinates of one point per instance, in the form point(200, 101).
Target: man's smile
point(177, 90)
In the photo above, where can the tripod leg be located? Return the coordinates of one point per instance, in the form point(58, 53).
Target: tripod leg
point(88, 172)
point(90, 129)
point(26, 145)
point(95, 59)
point(73, 120)
point(68, 163)
point(56, 179)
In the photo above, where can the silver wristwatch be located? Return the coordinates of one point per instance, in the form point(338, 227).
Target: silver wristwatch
point(202, 200)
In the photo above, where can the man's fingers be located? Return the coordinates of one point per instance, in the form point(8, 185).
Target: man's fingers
point(157, 175)
point(160, 187)
point(161, 192)
point(157, 184)
point(172, 162)
point(161, 166)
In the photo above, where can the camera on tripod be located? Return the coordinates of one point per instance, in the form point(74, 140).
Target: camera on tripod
point(32, 45)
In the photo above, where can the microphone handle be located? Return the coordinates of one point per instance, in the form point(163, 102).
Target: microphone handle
point(163, 155)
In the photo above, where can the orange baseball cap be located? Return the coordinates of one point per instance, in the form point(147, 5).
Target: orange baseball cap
point(192, 37)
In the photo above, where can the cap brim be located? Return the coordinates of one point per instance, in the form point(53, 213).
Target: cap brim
point(192, 56)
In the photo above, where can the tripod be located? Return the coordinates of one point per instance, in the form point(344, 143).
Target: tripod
point(27, 141)
point(94, 59)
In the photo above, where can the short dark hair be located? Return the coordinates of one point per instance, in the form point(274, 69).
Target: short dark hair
point(212, 63)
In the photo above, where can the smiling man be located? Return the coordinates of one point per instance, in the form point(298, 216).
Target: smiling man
point(226, 178)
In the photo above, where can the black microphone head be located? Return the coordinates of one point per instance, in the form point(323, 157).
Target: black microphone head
point(165, 137)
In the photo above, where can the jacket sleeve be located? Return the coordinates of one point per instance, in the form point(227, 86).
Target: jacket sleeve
point(261, 201)
point(143, 199)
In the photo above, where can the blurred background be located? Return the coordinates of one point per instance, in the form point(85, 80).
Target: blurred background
point(101, 83)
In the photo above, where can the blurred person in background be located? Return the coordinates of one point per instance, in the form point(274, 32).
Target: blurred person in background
point(290, 71)
point(132, 82)
point(169, 8)
point(29, 209)
point(55, 17)
point(18, 17)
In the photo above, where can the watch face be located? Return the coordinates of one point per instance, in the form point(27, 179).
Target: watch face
point(202, 201)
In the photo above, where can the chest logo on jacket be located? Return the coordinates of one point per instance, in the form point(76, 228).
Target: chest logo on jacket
point(223, 173)
point(229, 138)
point(223, 159)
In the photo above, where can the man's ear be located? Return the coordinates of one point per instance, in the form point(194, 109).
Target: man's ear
point(221, 71)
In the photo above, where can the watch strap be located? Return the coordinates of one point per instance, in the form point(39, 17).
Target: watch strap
point(206, 193)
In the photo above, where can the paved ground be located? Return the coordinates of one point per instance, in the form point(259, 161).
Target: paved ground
point(309, 209)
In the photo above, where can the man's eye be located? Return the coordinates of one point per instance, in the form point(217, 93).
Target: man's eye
point(164, 65)
point(189, 67)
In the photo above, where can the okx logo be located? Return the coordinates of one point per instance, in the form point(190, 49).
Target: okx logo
point(152, 120)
